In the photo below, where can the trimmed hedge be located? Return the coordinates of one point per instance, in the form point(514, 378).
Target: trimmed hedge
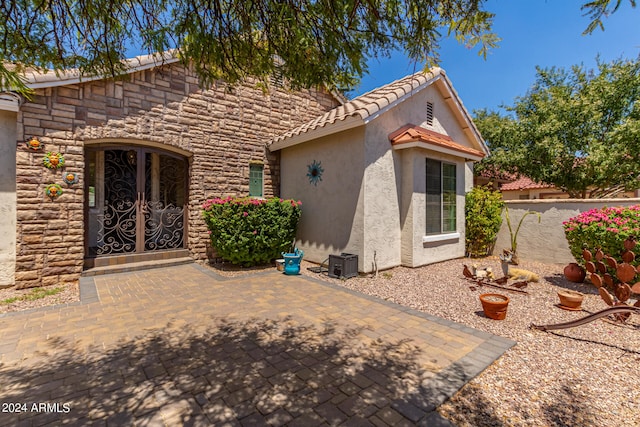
point(249, 231)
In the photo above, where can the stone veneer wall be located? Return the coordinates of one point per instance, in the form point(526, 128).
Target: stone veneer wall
point(223, 128)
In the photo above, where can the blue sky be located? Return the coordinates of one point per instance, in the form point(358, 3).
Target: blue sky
point(533, 32)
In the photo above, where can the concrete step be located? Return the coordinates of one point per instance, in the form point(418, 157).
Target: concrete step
point(136, 266)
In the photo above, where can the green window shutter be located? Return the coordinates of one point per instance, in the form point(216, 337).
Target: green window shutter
point(256, 173)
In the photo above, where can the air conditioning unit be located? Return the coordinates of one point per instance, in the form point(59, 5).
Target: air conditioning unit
point(343, 266)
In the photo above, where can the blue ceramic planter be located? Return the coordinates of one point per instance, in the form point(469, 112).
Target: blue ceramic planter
point(292, 262)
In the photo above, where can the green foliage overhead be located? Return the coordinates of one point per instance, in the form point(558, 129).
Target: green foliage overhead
point(483, 218)
point(598, 9)
point(308, 42)
point(250, 231)
point(577, 129)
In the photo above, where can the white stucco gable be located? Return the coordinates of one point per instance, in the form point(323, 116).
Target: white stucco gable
point(374, 151)
point(370, 106)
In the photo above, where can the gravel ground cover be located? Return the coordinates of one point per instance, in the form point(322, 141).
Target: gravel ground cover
point(69, 292)
point(584, 376)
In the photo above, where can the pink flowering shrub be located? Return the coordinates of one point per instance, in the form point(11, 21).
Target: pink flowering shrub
point(251, 231)
point(605, 228)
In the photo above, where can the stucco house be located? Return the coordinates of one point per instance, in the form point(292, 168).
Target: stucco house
point(127, 164)
point(146, 152)
point(384, 176)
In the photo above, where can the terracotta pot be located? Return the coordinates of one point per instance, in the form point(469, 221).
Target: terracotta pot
point(574, 273)
point(570, 299)
point(494, 305)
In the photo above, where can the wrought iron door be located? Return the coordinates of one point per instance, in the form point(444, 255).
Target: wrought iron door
point(137, 201)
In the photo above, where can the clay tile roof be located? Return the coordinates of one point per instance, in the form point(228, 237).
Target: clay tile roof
point(368, 104)
point(523, 183)
point(412, 133)
point(497, 175)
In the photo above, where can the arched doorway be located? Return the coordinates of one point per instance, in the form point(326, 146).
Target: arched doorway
point(136, 201)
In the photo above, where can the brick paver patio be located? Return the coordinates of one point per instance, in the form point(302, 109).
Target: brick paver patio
point(183, 346)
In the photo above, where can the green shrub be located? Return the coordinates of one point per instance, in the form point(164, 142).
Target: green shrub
point(605, 228)
point(250, 231)
point(483, 218)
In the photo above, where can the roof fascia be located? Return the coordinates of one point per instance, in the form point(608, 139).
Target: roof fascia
point(437, 148)
point(469, 128)
point(10, 101)
point(70, 77)
point(349, 122)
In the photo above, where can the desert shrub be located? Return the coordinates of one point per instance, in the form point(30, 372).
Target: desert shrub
point(250, 231)
point(483, 218)
point(605, 228)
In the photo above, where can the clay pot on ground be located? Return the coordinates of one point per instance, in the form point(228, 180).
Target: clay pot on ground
point(570, 300)
point(575, 273)
point(494, 305)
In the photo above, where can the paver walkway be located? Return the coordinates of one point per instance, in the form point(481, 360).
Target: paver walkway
point(184, 346)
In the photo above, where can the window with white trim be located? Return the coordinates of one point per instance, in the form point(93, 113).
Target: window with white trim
point(441, 197)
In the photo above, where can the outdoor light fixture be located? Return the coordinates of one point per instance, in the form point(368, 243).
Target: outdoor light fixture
point(132, 157)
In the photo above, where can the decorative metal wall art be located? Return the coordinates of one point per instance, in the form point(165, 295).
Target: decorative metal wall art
point(53, 160)
point(53, 191)
point(34, 145)
point(314, 172)
point(70, 178)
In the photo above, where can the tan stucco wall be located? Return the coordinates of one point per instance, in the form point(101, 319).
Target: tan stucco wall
point(332, 211)
point(7, 197)
point(548, 193)
point(382, 187)
point(377, 207)
point(545, 241)
point(395, 184)
point(415, 252)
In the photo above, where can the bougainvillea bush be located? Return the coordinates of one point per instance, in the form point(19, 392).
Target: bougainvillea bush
point(250, 231)
point(605, 228)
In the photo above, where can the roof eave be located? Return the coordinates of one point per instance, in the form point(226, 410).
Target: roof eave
point(347, 123)
point(469, 128)
point(51, 78)
point(439, 149)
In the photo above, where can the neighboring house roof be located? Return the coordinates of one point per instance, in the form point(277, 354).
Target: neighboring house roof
point(523, 183)
point(369, 106)
point(496, 175)
point(412, 135)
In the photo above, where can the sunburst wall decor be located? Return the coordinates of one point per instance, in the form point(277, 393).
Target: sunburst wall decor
point(314, 172)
